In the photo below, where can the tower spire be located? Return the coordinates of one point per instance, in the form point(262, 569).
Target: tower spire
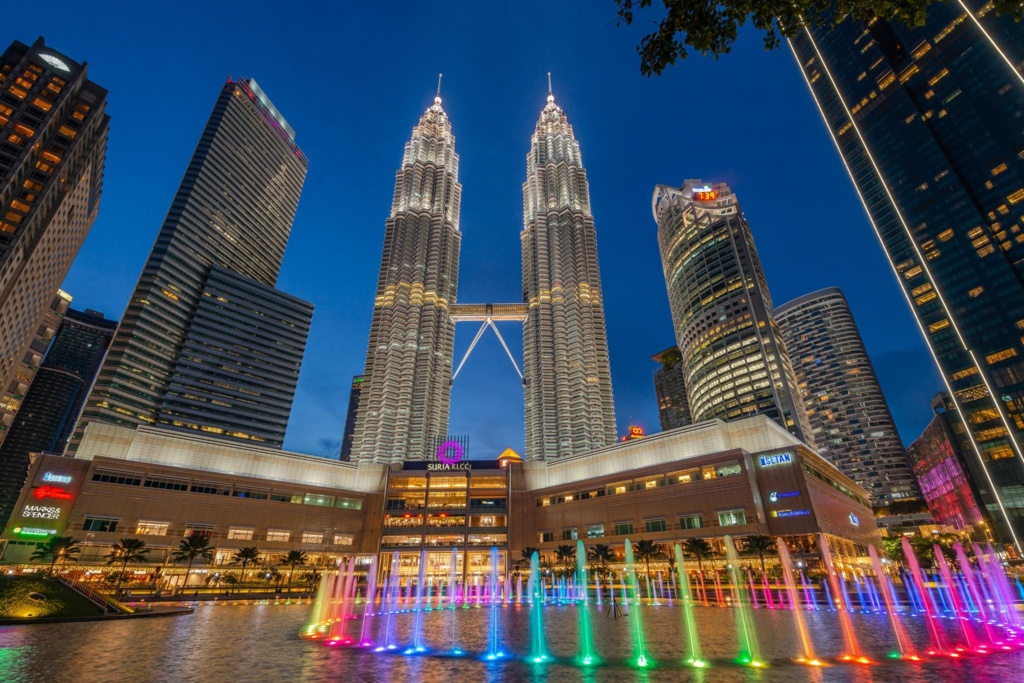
point(437, 98)
point(551, 96)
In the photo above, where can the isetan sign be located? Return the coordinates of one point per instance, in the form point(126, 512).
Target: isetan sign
point(772, 460)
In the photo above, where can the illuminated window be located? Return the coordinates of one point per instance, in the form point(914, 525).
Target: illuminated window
point(238, 533)
point(344, 539)
point(595, 531)
point(946, 235)
point(278, 535)
point(42, 104)
point(312, 537)
point(24, 130)
point(976, 292)
point(941, 325)
point(102, 524)
point(998, 169)
point(691, 522)
point(149, 528)
point(569, 534)
point(546, 536)
point(732, 517)
point(1000, 356)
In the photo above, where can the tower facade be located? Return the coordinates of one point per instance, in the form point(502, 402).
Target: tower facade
point(567, 376)
point(927, 122)
point(848, 413)
point(230, 220)
point(349, 437)
point(54, 399)
point(735, 362)
point(406, 389)
point(53, 142)
point(670, 388)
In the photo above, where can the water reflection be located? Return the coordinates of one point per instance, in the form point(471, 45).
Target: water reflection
point(259, 643)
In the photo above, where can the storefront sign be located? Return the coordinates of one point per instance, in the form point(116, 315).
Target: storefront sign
point(57, 478)
point(55, 492)
point(790, 513)
point(780, 459)
point(775, 496)
point(854, 520)
point(31, 531)
point(41, 512)
point(448, 467)
point(450, 452)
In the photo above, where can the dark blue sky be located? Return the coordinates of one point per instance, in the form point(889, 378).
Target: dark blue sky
point(353, 80)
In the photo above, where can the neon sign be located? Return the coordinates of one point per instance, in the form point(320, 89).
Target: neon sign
point(42, 492)
point(57, 478)
point(774, 496)
point(450, 453)
point(32, 531)
point(780, 459)
point(41, 512)
point(704, 194)
point(790, 513)
point(854, 520)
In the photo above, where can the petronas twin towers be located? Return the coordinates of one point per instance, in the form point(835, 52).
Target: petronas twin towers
point(403, 409)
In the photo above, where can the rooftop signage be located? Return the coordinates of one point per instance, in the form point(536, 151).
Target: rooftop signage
point(57, 478)
point(450, 453)
point(772, 460)
point(447, 467)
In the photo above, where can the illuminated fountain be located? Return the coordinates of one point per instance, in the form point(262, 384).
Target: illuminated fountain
point(958, 610)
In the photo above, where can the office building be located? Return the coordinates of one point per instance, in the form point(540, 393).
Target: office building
point(403, 403)
point(848, 413)
point(567, 375)
point(926, 119)
point(348, 438)
point(53, 143)
point(734, 360)
point(54, 399)
point(206, 291)
point(670, 388)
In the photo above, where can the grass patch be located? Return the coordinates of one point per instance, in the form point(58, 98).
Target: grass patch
point(60, 601)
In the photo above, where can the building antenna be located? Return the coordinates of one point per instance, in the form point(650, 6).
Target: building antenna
point(439, 84)
point(549, 82)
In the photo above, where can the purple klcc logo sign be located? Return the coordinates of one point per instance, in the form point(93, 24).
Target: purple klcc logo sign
point(450, 453)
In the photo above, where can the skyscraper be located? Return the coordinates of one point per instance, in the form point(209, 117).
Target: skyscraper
point(403, 404)
point(48, 413)
point(567, 376)
point(206, 293)
point(52, 150)
point(927, 122)
point(734, 359)
point(349, 437)
point(848, 413)
point(670, 388)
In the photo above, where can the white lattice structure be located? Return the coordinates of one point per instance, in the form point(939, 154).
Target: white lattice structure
point(407, 380)
point(568, 383)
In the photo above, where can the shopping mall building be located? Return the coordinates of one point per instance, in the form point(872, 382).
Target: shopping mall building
point(706, 480)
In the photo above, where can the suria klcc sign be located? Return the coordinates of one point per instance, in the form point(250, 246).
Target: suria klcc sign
point(449, 457)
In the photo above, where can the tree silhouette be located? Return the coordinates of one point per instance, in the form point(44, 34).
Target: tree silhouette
point(190, 549)
point(124, 551)
point(58, 549)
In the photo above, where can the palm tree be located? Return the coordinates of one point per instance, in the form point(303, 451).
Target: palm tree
point(294, 558)
point(124, 551)
point(647, 550)
point(58, 549)
point(310, 578)
point(700, 549)
point(566, 554)
point(601, 554)
point(759, 545)
point(528, 553)
point(245, 557)
point(190, 549)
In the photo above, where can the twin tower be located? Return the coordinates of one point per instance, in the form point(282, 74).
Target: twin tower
point(404, 403)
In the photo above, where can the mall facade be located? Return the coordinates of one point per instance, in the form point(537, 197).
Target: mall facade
point(706, 480)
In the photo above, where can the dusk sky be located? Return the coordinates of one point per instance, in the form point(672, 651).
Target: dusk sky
point(353, 79)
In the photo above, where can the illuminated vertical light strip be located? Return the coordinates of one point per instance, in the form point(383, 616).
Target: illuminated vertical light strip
point(991, 40)
point(899, 214)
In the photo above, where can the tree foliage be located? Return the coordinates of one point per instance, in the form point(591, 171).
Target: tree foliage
point(711, 27)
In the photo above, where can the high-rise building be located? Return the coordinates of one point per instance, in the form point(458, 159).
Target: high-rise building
point(53, 144)
point(926, 119)
point(848, 413)
point(348, 439)
point(734, 360)
point(567, 376)
point(206, 293)
point(403, 404)
point(670, 388)
point(54, 399)
point(940, 467)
